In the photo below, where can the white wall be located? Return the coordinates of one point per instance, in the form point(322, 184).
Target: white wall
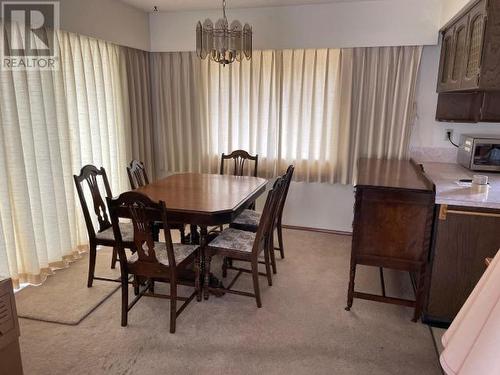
point(450, 8)
point(321, 206)
point(109, 20)
point(334, 25)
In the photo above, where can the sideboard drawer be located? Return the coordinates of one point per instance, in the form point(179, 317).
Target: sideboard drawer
point(6, 315)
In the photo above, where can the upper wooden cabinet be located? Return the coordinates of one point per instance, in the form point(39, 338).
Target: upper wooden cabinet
point(469, 69)
point(470, 51)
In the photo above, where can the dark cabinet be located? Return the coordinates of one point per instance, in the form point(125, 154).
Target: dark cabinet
point(444, 82)
point(10, 354)
point(475, 43)
point(393, 215)
point(462, 50)
point(463, 238)
point(469, 69)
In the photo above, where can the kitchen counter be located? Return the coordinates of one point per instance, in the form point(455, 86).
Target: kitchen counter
point(448, 191)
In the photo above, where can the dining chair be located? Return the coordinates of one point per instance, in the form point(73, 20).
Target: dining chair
point(239, 158)
point(138, 177)
point(137, 174)
point(241, 245)
point(248, 220)
point(93, 177)
point(153, 261)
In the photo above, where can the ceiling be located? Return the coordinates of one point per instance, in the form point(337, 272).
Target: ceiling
point(183, 5)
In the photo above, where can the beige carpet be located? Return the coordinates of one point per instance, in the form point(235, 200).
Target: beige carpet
point(302, 328)
point(64, 298)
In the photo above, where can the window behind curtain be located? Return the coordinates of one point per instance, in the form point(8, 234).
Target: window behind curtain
point(320, 109)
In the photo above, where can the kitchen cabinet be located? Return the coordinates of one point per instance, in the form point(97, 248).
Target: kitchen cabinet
point(462, 50)
point(469, 72)
point(463, 238)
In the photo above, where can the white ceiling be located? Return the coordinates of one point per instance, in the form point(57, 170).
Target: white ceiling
point(182, 5)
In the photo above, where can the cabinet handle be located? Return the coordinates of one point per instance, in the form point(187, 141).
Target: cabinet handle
point(444, 211)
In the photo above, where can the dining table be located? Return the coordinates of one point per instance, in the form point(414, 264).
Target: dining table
point(204, 200)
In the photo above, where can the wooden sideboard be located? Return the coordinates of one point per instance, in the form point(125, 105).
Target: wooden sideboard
point(10, 354)
point(393, 217)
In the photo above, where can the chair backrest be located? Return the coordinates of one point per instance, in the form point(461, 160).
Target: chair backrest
point(91, 175)
point(288, 179)
point(143, 212)
point(239, 158)
point(137, 174)
point(268, 216)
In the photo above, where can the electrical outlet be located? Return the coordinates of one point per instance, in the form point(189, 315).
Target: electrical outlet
point(450, 131)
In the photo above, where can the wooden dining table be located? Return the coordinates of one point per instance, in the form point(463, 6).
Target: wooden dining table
point(204, 200)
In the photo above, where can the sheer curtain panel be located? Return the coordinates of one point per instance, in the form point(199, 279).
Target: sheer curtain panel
point(53, 123)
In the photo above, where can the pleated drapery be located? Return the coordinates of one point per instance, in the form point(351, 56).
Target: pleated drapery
point(52, 124)
point(377, 106)
point(318, 109)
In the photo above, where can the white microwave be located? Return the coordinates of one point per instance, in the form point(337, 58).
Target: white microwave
point(479, 152)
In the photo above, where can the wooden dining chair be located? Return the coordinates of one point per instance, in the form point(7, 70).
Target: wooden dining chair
point(153, 261)
point(138, 177)
point(104, 236)
point(239, 158)
point(237, 244)
point(249, 220)
point(137, 174)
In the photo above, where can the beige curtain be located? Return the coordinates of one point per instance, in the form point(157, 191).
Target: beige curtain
point(175, 98)
point(136, 77)
point(53, 123)
point(377, 106)
point(310, 111)
point(318, 109)
point(241, 109)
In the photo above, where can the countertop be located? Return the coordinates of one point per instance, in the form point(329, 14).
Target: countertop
point(446, 175)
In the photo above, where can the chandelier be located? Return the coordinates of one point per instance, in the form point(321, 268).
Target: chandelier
point(223, 43)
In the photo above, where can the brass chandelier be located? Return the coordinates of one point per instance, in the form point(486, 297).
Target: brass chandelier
point(223, 43)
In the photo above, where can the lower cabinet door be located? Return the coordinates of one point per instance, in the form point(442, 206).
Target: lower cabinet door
point(464, 237)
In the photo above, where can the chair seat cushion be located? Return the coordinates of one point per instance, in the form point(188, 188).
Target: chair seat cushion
point(234, 239)
point(247, 220)
point(181, 252)
point(126, 229)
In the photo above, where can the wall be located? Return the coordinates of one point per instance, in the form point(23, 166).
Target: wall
point(109, 20)
point(450, 8)
point(335, 25)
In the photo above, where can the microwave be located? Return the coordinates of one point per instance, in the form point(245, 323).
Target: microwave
point(479, 152)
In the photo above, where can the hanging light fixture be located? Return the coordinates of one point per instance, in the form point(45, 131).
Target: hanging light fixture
point(223, 43)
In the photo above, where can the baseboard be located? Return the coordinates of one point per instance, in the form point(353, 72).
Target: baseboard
point(320, 230)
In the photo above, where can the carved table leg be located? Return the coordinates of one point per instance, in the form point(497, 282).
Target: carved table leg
point(208, 259)
point(194, 236)
point(197, 276)
point(210, 280)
